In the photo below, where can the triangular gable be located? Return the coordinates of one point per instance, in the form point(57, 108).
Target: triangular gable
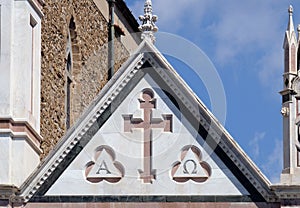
point(184, 151)
point(179, 159)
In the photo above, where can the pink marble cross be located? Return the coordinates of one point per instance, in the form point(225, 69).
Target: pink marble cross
point(147, 103)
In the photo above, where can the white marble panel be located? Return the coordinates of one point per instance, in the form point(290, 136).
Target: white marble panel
point(5, 159)
point(24, 160)
point(167, 150)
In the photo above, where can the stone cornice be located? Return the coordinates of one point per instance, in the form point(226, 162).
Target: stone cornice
point(283, 191)
point(148, 53)
point(10, 193)
point(21, 129)
point(74, 135)
point(217, 132)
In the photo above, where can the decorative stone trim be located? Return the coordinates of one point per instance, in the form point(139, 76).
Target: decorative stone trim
point(9, 194)
point(37, 5)
point(140, 199)
point(215, 130)
point(21, 129)
point(76, 138)
point(178, 204)
point(7, 191)
point(285, 111)
point(148, 27)
point(287, 191)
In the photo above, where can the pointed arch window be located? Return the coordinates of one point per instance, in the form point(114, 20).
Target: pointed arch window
point(297, 106)
point(69, 69)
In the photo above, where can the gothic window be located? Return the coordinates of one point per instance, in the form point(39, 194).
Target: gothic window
point(293, 61)
point(69, 69)
point(286, 59)
point(68, 90)
point(298, 106)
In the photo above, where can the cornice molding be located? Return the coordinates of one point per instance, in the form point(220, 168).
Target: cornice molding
point(191, 102)
point(21, 129)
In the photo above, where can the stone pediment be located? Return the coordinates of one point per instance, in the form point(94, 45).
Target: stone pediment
point(147, 135)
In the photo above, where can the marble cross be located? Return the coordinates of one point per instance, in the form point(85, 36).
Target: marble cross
point(148, 103)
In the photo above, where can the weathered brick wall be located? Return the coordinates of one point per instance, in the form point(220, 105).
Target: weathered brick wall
point(89, 63)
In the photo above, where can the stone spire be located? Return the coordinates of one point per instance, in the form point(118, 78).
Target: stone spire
point(290, 45)
point(290, 107)
point(291, 27)
point(148, 27)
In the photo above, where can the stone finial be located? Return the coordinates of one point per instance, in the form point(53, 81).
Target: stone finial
point(291, 10)
point(298, 29)
point(148, 27)
point(290, 27)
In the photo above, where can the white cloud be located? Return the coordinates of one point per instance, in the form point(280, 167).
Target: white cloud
point(249, 33)
point(273, 166)
point(237, 30)
point(254, 144)
point(174, 16)
point(271, 68)
point(243, 29)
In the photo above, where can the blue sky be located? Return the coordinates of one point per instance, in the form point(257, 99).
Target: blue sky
point(244, 42)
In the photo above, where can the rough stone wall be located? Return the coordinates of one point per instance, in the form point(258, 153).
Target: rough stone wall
point(89, 63)
point(92, 73)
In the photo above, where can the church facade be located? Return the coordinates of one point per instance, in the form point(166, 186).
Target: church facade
point(74, 134)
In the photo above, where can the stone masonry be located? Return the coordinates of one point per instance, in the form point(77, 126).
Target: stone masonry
point(89, 57)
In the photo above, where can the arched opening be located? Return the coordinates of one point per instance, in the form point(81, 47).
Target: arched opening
point(71, 53)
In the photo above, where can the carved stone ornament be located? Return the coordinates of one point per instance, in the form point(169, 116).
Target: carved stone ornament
point(104, 167)
point(147, 104)
point(191, 166)
point(148, 27)
point(285, 111)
